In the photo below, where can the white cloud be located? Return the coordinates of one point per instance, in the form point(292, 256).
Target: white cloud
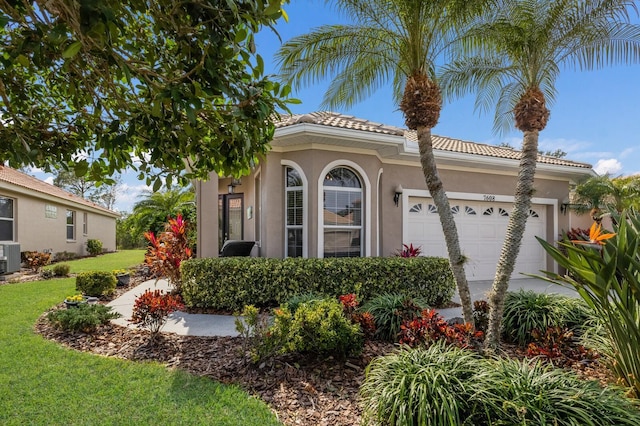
point(127, 195)
point(49, 180)
point(610, 166)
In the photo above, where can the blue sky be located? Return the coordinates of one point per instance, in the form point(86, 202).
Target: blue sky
point(595, 117)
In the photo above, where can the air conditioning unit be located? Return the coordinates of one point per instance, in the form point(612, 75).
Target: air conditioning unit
point(9, 258)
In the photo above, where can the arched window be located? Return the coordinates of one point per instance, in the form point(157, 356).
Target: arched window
point(342, 213)
point(294, 215)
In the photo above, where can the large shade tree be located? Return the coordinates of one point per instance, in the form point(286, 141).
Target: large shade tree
point(521, 48)
point(173, 89)
point(394, 42)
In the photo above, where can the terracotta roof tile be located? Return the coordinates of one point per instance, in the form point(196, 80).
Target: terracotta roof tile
point(16, 177)
point(442, 143)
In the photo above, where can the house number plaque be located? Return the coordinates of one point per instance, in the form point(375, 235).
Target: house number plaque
point(489, 197)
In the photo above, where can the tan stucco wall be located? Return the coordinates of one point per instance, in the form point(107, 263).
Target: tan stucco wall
point(35, 232)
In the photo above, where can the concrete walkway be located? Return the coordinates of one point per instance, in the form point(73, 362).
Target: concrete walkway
point(186, 324)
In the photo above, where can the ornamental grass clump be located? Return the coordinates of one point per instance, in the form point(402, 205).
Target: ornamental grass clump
point(152, 308)
point(606, 274)
point(390, 310)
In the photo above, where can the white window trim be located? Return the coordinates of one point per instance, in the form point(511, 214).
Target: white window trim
point(305, 207)
point(67, 225)
point(12, 219)
point(85, 223)
point(470, 196)
point(366, 190)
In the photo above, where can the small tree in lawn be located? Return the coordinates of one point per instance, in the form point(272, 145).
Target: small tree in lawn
point(167, 251)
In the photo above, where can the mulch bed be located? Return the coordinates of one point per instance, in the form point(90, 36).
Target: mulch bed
point(300, 391)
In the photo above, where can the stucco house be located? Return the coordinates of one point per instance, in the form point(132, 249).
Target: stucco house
point(41, 217)
point(337, 185)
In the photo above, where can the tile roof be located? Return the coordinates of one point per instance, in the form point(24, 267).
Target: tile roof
point(16, 177)
point(442, 143)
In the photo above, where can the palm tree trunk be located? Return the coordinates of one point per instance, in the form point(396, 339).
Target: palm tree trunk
point(513, 239)
point(434, 184)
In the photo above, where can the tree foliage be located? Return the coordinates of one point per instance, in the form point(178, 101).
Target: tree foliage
point(171, 88)
point(104, 195)
point(599, 193)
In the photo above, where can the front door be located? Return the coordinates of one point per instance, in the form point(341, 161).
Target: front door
point(230, 210)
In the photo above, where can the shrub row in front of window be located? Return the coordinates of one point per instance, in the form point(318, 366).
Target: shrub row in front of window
point(231, 283)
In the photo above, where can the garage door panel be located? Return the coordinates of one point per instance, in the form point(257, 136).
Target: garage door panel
point(482, 229)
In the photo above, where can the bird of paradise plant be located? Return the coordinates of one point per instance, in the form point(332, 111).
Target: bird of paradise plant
point(167, 250)
point(608, 279)
point(596, 235)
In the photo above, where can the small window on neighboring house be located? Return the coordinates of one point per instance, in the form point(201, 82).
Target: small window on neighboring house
point(71, 225)
point(85, 223)
point(50, 211)
point(6, 219)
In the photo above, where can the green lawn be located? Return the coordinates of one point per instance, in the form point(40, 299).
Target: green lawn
point(121, 259)
point(45, 384)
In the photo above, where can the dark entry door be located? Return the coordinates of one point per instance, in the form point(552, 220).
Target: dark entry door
point(230, 211)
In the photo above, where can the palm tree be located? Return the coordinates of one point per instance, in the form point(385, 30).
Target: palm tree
point(520, 48)
point(154, 208)
point(390, 41)
point(603, 192)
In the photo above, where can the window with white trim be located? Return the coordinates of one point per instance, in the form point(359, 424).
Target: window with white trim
point(342, 212)
point(6, 219)
point(71, 225)
point(294, 214)
point(85, 223)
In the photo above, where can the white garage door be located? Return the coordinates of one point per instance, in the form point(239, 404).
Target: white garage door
point(482, 227)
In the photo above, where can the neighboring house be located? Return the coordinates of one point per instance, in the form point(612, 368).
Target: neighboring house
point(330, 184)
point(42, 217)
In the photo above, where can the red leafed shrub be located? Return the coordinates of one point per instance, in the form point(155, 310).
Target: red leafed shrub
point(409, 251)
point(35, 260)
point(152, 308)
point(577, 234)
point(365, 319)
point(558, 345)
point(431, 327)
point(167, 251)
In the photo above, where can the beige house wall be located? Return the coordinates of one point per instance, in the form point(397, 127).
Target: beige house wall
point(380, 179)
point(37, 232)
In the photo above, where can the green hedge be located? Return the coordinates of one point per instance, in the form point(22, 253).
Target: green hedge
point(233, 282)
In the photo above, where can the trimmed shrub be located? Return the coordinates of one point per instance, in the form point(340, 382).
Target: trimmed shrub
point(231, 283)
point(298, 299)
point(94, 247)
point(61, 270)
point(390, 311)
point(61, 256)
point(96, 283)
point(84, 318)
point(317, 327)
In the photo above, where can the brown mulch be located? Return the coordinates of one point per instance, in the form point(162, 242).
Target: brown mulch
point(301, 391)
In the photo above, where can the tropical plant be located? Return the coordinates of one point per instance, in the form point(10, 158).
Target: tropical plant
point(431, 327)
point(167, 251)
point(152, 308)
point(390, 310)
point(169, 88)
point(514, 55)
point(409, 251)
point(607, 277)
point(602, 193)
point(398, 42)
